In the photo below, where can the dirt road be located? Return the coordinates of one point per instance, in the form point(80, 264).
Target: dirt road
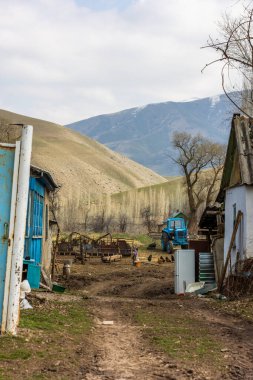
point(120, 353)
point(201, 341)
point(119, 322)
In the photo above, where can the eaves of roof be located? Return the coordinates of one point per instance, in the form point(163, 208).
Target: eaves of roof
point(45, 177)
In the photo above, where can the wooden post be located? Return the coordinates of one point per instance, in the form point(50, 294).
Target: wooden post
point(237, 223)
point(53, 209)
point(55, 251)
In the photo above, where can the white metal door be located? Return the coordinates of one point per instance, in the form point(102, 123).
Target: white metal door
point(184, 269)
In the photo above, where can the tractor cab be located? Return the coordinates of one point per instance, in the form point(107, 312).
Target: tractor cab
point(174, 234)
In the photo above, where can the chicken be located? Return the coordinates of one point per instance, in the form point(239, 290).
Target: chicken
point(150, 258)
point(161, 260)
point(151, 246)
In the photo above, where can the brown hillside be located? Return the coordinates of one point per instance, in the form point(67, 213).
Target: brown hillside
point(81, 165)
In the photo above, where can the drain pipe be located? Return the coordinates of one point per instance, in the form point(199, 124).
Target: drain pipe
point(19, 229)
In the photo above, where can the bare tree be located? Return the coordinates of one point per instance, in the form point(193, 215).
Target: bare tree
point(196, 153)
point(108, 221)
point(71, 211)
point(98, 222)
point(123, 222)
point(54, 208)
point(148, 218)
point(234, 47)
point(86, 218)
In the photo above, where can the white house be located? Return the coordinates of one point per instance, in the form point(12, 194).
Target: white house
point(237, 188)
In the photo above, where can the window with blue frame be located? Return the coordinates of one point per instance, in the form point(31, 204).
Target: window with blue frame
point(35, 220)
point(38, 201)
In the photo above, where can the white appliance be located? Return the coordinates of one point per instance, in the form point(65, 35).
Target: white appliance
point(184, 269)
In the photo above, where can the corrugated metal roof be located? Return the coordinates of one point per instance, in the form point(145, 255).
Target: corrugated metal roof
point(178, 214)
point(240, 145)
point(244, 140)
point(45, 177)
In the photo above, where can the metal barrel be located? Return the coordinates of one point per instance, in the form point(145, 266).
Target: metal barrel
point(206, 267)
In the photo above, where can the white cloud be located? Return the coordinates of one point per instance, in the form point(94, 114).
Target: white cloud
point(63, 61)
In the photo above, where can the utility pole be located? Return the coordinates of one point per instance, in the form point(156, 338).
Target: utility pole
point(19, 229)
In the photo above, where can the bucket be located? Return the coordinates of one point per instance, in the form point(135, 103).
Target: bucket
point(66, 270)
point(137, 264)
point(58, 288)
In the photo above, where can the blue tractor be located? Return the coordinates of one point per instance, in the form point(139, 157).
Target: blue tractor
point(174, 234)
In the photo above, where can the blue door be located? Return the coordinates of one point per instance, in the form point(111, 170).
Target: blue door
point(34, 231)
point(6, 173)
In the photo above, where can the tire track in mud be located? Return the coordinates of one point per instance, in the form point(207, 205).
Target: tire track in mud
point(120, 350)
point(121, 353)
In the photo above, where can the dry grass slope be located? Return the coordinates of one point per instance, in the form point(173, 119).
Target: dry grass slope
point(82, 166)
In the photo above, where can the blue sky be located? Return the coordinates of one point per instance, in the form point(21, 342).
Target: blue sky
point(72, 59)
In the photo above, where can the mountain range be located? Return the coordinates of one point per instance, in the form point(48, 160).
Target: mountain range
point(144, 133)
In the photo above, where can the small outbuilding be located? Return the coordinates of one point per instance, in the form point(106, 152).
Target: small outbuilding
point(38, 239)
point(237, 189)
point(179, 214)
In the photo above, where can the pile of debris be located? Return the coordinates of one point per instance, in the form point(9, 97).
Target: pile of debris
point(240, 280)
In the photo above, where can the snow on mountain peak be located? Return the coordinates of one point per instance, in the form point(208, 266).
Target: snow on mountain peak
point(138, 109)
point(214, 100)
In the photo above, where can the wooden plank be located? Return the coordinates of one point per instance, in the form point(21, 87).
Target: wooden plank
point(46, 279)
point(232, 240)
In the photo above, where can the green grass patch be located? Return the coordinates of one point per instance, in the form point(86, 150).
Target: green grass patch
point(19, 353)
point(142, 239)
point(38, 376)
point(57, 317)
point(3, 375)
point(242, 308)
point(180, 336)
point(13, 348)
point(44, 329)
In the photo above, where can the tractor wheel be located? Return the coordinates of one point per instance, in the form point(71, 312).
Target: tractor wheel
point(170, 247)
point(164, 241)
point(163, 246)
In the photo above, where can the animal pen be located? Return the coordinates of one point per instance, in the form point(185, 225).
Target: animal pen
point(84, 247)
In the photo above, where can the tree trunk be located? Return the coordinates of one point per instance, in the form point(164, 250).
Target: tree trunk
point(55, 252)
point(192, 204)
point(193, 224)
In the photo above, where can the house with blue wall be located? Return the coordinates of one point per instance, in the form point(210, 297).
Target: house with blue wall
point(38, 238)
